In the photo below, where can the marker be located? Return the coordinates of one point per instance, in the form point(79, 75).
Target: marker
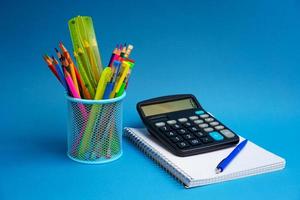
point(125, 82)
point(225, 162)
point(120, 78)
point(104, 79)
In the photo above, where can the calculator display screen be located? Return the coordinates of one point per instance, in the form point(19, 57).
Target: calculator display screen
point(166, 107)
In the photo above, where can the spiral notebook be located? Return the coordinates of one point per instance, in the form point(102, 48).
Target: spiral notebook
point(199, 170)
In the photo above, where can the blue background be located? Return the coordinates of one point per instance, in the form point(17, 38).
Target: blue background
point(240, 58)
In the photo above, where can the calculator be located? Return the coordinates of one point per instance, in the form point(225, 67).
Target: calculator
point(183, 126)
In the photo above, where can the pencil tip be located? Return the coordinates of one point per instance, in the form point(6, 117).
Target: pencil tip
point(62, 46)
point(56, 50)
point(218, 170)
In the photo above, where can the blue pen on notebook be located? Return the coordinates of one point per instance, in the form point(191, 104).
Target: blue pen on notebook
point(225, 162)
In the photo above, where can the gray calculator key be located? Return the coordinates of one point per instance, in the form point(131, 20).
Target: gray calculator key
point(204, 116)
point(171, 122)
point(203, 125)
point(195, 142)
point(227, 133)
point(208, 129)
point(198, 121)
point(160, 124)
point(220, 127)
point(183, 144)
point(214, 123)
point(193, 117)
point(171, 134)
point(209, 119)
point(182, 120)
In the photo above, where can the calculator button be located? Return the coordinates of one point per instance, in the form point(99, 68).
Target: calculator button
point(188, 136)
point(160, 124)
point(227, 133)
point(182, 120)
point(171, 122)
point(206, 140)
point(199, 112)
point(187, 124)
point(198, 121)
point(200, 134)
point(182, 131)
point(193, 117)
point(219, 127)
point(176, 139)
point(164, 128)
point(176, 126)
point(194, 129)
point(203, 125)
point(204, 116)
point(209, 119)
point(182, 144)
point(214, 123)
point(208, 129)
point(216, 136)
point(194, 142)
point(171, 134)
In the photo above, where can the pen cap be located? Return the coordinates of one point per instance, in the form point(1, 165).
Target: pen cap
point(95, 129)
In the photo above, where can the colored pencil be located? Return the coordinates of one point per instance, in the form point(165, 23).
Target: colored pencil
point(51, 67)
point(60, 73)
point(71, 64)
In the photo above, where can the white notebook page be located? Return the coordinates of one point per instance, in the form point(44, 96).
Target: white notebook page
point(202, 166)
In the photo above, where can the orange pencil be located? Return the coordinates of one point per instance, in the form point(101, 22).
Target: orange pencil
point(71, 63)
point(81, 86)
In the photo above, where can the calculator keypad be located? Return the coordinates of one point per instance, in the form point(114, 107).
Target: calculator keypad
point(195, 131)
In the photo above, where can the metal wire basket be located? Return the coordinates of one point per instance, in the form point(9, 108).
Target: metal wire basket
point(95, 129)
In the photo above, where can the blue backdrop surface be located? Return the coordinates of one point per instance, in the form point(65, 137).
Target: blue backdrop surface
point(239, 58)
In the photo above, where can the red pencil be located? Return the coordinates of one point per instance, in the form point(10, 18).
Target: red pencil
point(51, 66)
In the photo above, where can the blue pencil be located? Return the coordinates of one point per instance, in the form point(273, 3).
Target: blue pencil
point(60, 73)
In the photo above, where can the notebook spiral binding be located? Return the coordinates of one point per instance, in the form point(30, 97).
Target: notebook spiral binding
point(186, 179)
point(160, 159)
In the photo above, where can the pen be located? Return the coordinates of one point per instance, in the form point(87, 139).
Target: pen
point(225, 162)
